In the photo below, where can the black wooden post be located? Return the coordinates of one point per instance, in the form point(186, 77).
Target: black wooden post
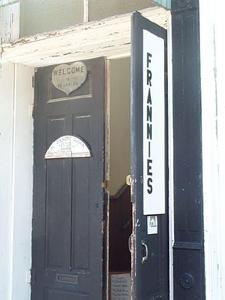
point(189, 276)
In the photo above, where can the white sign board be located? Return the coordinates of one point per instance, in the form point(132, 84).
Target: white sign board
point(153, 125)
point(120, 286)
point(152, 224)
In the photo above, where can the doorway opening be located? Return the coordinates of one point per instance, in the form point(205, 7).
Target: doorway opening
point(120, 206)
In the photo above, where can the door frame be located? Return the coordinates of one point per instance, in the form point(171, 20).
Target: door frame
point(20, 69)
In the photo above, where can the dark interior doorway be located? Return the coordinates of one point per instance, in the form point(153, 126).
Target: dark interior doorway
point(120, 207)
point(120, 224)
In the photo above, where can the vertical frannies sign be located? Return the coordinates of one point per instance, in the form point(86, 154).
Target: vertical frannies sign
point(153, 125)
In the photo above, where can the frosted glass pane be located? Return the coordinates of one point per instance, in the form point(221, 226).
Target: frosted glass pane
point(99, 9)
point(8, 2)
point(46, 15)
point(165, 3)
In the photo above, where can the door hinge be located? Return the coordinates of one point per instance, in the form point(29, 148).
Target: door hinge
point(32, 276)
point(105, 184)
point(33, 81)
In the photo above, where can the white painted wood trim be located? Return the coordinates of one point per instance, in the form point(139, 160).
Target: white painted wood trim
point(22, 187)
point(109, 37)
point(9, 23)
point(86, 11)
point(219, 48)
point(171, 157)
point(213, 124)
point(16, 161)
point(6, 175)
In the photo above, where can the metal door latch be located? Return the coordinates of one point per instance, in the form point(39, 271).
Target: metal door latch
point(144, 252)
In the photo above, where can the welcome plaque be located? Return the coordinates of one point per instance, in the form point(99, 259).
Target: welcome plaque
point(68, 78)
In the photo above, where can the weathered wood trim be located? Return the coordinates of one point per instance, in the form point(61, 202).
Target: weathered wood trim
point(9, 22)
point(86, 11)
point(109, 37)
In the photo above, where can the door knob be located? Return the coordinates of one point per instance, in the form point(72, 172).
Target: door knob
point(128, 180)
point(144, 252)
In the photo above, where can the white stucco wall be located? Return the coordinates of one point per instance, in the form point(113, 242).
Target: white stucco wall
point(220, 65)
point(16, 160)
point(6, 142)
point(213, 125)
point(22, 184)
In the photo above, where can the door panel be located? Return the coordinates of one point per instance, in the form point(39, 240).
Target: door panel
point(67, 237)
point(149, 277)
point(59, 295)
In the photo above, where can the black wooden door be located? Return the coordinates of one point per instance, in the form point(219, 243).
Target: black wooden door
point(150, 239)
point(67, 237)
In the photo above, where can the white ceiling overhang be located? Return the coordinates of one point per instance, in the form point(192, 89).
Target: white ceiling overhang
point(109, 37)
